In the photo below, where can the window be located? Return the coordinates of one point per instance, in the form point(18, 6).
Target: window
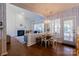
point(55, 26)
point(39, 27)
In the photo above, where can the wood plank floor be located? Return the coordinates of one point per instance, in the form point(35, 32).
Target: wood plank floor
point(18, 49)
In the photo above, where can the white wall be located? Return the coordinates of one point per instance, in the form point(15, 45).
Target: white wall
point(17, 16)
point(10, 20)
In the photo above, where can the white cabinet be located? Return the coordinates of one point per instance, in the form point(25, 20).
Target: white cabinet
point(32, 38)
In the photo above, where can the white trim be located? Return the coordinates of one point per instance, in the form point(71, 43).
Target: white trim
point(31, 44)
point(3, 54)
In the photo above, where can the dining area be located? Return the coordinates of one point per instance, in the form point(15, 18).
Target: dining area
point(47, 40)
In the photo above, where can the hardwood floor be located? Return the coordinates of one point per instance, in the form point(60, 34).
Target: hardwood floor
point(18, 49)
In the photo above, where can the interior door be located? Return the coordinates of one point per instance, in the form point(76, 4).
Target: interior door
point(69, 31)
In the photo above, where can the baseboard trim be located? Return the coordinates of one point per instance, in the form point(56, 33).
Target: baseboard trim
point(3, 54)
point(69, 45)
point(31, 44)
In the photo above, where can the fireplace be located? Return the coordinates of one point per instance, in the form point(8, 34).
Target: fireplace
point(20, 33)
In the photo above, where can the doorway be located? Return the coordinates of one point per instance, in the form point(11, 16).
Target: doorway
point(69, 31)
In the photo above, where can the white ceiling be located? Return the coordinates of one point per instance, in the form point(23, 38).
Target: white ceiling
point(30, 16)
point(46, 9)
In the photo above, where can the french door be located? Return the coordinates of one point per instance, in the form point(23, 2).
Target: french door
point(69, 31)
point(65, 29)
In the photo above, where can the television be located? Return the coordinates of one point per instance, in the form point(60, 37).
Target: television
point(35, 31)
point(20, 33)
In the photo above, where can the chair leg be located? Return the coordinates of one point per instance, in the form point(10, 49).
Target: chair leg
point(48, 43)
point(41, 43)
point(56, 43)
point(45, 44)
point(53, 44)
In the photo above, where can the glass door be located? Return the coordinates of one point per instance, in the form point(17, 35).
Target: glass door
point(69, 31)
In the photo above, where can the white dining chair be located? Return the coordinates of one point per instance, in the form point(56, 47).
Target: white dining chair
point(46, 42)
point(53, 41)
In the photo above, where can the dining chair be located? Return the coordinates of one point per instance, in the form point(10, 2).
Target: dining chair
point(53, 41)
point(45, 40)
point(42, 39)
